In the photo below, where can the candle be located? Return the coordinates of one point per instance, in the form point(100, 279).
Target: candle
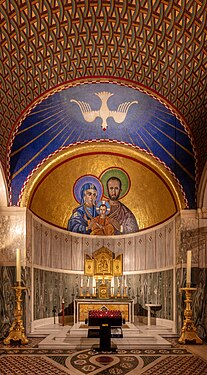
point(94, 282)
point(188, 277)
point(18, 265)
point(81, 282)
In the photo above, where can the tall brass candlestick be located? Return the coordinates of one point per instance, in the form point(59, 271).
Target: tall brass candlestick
point(81, 292)
point(188, 333)
point(18, 265)
point(125, 292)
point(188, 275)
point(16, 331)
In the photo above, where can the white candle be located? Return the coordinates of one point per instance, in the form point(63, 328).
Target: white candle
point(188, 277)
point(81, 282)
point(112, 282)
point(94, 282)
point(18, 265)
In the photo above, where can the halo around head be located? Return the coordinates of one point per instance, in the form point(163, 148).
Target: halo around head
point(117, 173)
point(103, 203)
point(87, 179)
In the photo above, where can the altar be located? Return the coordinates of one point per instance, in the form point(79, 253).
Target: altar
point(82, 306)
point(100, 292)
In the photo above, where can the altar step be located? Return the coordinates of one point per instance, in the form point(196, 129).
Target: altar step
point(81, 343)
point(77, 331)
point(74, 338)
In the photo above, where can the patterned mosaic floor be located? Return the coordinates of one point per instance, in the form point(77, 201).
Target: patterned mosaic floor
point(29, 360)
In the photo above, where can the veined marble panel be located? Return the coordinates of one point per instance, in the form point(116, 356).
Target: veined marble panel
point(160, 248)
point(170, 244)
point(88, 245)
point(140, 254)
point(118, 246)
point(47, 257)
point(37, 242)
point(56, 256)
point(150, 251)
point(129, 254)
point(77, 253)
point(66, 253)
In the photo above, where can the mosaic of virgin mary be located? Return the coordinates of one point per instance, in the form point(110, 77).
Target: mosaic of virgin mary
point(87, 190)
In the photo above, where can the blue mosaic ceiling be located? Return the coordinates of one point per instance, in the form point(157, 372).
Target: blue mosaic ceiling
point(81, 113)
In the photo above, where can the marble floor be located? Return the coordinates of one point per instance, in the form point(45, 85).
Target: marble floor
point(76, 337)
point(66, 350)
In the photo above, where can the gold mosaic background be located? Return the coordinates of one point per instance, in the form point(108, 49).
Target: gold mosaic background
point(154, 195)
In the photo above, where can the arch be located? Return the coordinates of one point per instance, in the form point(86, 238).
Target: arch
point(4, 196)
point(202, 190)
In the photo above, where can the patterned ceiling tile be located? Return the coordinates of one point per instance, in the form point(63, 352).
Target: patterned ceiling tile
point(160, 46)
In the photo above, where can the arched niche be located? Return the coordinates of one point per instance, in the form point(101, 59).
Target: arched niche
point(154, 195)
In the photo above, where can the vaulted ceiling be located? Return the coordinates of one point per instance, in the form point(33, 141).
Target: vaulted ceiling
point(158, 46)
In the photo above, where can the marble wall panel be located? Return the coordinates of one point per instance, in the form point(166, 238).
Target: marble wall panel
point(50, 287)
point(97, 243)
point(29, 237)
point(152, 288)
point(150, 251)
point(202, 247)
point(117, 245)
point(109, 243)
point(77, 254)
point(56, 250)
point(88, 246)
point(66, 253)
point(170, 244)
point(7, 299)
point(37, 242)
point(129, 254)
point(160, 248)
point(140, 254)
point(12, 234)
point(46, 248)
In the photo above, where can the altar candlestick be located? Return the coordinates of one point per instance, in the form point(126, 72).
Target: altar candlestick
point(94, 282)
point(18, 266)
point(63, 311)
point(188, 277)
